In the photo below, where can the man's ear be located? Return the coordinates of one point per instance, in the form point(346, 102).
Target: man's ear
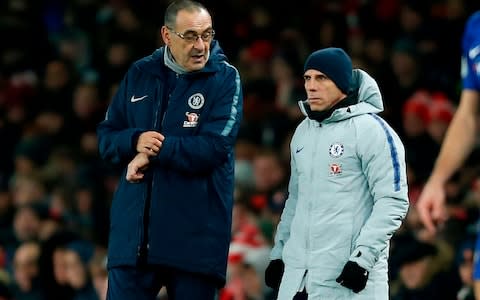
point(165, 35)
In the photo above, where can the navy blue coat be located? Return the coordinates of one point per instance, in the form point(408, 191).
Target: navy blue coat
point(181, 211)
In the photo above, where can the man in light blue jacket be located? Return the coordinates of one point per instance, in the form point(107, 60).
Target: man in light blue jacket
point(348, 189)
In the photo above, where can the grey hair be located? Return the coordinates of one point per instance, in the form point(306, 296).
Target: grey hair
point(178, 5)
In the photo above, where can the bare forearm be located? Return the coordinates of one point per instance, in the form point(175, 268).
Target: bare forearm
point(459, 140)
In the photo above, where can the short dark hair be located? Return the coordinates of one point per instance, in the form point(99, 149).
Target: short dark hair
point(178, 5)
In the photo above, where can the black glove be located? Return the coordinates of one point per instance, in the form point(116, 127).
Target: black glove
point(274, 273)
point(353, 277)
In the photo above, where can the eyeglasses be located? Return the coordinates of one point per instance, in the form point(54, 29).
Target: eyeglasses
point(192, 37)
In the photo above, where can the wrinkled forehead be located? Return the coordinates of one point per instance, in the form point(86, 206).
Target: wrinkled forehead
point(195, 20)
point(312, 72)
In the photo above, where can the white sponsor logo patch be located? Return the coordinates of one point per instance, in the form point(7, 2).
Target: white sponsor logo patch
point(335, 169)
point(192, 120)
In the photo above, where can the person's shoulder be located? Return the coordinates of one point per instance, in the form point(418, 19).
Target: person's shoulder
point(150, 64)
point(471, 38)
point(305, 124)
point(474, 16)
point(300, 129)
point(155, 57)
point(373, 123)
point(473, 21)
point(374, 130)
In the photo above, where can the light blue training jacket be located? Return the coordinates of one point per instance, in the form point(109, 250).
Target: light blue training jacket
point(348, 194)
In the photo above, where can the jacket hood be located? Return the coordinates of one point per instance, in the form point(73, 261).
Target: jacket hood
point(154, 63)
point(367, 92)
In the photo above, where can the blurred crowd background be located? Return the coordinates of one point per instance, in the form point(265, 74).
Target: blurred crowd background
point(61, 61)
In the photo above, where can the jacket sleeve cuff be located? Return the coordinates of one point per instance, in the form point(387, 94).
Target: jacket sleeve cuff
point(276, 252)
point(135, 137)
point(165, 153)
point(365, 257)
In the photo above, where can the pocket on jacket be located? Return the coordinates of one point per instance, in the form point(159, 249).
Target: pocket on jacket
point(330, 246)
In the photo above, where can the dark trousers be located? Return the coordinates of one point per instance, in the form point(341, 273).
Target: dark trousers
point(145, 282)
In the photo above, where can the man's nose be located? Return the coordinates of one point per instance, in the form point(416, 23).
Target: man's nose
point(199, 42)
point(310, 86)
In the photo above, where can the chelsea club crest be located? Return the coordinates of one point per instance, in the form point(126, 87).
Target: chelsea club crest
point(336, 150)
point(196, 101)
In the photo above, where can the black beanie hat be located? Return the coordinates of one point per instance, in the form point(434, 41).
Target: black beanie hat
point(334, 63)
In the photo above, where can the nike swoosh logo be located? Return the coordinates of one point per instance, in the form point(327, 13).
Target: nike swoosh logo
point(299, 149)
point(133, 99)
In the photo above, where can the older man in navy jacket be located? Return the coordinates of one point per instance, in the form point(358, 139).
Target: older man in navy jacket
point(172, 125)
